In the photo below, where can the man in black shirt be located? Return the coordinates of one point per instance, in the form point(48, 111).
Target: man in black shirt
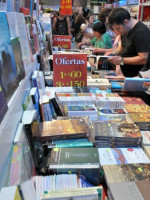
point(135, 40)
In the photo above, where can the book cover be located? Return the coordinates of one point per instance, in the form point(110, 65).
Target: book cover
point(143, 187)
point(140, 117)
point(116, 130)
point(60, 129)
point(136, 84)
point(73, 158)
point(103, 111)
point(133, 100)
point(134, 108)
point(102, 63)
point(3, 104)
point(115, 118)
point(126, 173)
point(18, 58)
point(125, 191)
point(81, 110)
point(145, 137)
point(11, 192)
point(27, 102)
point(8, 71)
point(110, 156)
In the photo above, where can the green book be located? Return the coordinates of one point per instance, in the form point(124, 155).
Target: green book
point(69, 144)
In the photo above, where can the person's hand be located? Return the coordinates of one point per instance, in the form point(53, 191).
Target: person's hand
point(115, 60)
point(108, 53)
point(79, 44)
point(97, 50)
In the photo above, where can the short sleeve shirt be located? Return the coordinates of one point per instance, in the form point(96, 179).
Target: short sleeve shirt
point(104, 42)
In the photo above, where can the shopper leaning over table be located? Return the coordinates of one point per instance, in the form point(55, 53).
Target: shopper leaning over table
point(135, 39)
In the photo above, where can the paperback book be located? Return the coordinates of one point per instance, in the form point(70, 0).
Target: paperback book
point(60, 129)
point(118, 156)
point(3, 104)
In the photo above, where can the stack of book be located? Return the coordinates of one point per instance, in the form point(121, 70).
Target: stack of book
point(82, 161)
point(116, 134)
point(60, 129)
point(131, 180)
point(81, 110)
point(112, 101)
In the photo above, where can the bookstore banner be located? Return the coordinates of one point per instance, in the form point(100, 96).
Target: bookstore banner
point(63, 41)
point(66, 7)
point(70, 70)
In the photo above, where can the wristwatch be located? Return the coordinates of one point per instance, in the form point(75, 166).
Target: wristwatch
point(121, 62)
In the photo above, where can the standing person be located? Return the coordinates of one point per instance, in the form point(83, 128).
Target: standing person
point(79, 19)
point(61, 25)
point(135, 39)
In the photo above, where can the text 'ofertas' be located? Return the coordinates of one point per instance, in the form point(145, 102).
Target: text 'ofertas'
point(64, 61)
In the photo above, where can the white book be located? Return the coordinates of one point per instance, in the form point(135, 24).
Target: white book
point(116, 156)
point(10, 193)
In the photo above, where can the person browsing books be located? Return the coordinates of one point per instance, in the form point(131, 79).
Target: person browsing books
point(135, 39)
point(101, 39)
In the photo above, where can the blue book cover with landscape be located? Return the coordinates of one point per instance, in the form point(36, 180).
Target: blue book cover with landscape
point(3, 104)
point(8, 71)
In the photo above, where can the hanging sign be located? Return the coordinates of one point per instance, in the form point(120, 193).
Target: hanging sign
point(70, 70)
point(63, 41)
point(66, 7)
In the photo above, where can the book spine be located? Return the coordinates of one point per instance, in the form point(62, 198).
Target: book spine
point(77, 144)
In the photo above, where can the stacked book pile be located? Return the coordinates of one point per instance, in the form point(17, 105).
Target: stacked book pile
point(130, 181)
point(112, 101)
point(82, 161)
point(121, 134)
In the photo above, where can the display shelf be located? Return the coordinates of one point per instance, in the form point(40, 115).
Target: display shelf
point(9, 125)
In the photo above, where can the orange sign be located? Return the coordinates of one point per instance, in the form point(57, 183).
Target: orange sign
point(70, 70)
point(62, 40)
point(66, 7)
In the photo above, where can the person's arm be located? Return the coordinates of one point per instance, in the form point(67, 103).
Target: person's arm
point(140, 59)
point(69, 26)
point(84, 43)
point(101, 50)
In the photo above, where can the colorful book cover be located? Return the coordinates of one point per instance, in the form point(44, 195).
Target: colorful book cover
point(131, 108)
point(140, 117)
point(8, 70)
point(133, 100)
point(103, 111)
point(18, 58)
point(60, 129)
point(3, 104)
point(118, 156)
point(114, 118)
point(116, 130)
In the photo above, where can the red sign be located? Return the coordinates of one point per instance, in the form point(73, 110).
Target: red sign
point(62, 40)
point(66, 7)
point(70, 70)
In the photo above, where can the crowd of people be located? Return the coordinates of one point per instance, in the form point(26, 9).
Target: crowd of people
point(115, 33)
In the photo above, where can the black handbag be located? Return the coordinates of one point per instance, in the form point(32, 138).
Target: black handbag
point(78, 37)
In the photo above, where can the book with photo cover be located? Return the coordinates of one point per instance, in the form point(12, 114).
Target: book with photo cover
point(3, 104)
point(60, 129)
point(118, 156)
point(117, 131)
point(8, 70)
point(102, 63)
point(115, 118)
point(15, 42)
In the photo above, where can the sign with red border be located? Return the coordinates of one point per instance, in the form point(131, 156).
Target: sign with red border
point(70, 70)
point(63, 41)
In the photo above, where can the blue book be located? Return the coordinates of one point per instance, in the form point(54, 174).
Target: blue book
point(136, 84)
point(8, 70)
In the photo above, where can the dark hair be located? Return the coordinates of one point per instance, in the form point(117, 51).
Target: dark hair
point(99, 27)
point(117, 16)
point(103, 14)
point(88, 17)
point(80, 19)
